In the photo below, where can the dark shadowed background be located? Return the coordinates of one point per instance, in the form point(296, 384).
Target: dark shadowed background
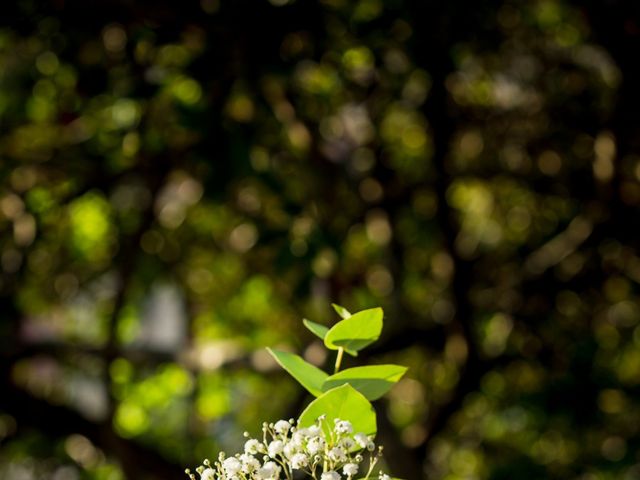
point(182, 182)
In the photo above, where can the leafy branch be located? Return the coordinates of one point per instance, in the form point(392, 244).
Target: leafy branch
point(346, 394)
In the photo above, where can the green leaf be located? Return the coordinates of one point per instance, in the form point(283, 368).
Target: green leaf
point(345, 403)
point(353, 353)
point(372, 381)
point(318, 330)
point(343, 312)
point(309, 376)
point(356, 332)
point(321, 331)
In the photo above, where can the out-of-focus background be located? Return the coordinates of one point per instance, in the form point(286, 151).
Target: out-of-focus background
point(182, 182)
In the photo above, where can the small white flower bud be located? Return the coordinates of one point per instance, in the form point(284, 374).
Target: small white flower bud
point(249, 463)
point(337, 454)
point(232, 466)
point(299, 460)
point(347, 443)
point(315, 445)
point(282, 426)
point(208, 474)
point(270, 470)
point(350, 469)
point(290, 449)
point(252, 446)
point(361, 439)
point(298, 437)
point(343, 427)
point(330, 475)
point(275, 448)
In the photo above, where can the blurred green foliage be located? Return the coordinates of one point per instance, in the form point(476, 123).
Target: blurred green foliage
point(181, 183)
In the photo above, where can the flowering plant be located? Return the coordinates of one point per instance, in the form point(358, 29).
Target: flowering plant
point(333, 438)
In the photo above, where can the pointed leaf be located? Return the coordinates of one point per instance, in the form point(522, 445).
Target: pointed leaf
point(356, 332)
point(321, 331)
point(318, 330)
point(372, 381)
point(344, 403)
point(353, 353)
point(343, 312)
point(309, 376)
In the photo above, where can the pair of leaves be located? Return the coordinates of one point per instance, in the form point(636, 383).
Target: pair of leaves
point(372, 381)
point(352, 333)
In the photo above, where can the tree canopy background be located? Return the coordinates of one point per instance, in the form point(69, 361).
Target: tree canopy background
point(182, 182)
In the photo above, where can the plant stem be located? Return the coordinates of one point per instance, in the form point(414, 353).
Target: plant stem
point(338, 360)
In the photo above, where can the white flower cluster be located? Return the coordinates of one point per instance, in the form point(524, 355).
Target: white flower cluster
point(321, 452)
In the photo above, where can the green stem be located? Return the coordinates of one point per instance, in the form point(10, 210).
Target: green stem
point(338, 360)
point(372, 463)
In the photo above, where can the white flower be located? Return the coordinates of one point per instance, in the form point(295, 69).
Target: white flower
point(330, 475)
point(231, 466)
point(208, 474)
point(252, 446)
point(282, 426)
point(298, 437)
point(249, 463)
point(289, 450)
point(361, 439)
point(350, 469)
point(292, 450)
point(269, 471)
point(343, 426)
point(299, 460)
point(337, 454)
point(347, 443)
point(315, 445)
point(275, 448)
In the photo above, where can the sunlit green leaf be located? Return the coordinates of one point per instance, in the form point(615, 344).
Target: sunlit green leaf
point(372, 381)
point(343, 312)
point(356, 332)
point(309, 376)
point(318, 330)
point(344, 403)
